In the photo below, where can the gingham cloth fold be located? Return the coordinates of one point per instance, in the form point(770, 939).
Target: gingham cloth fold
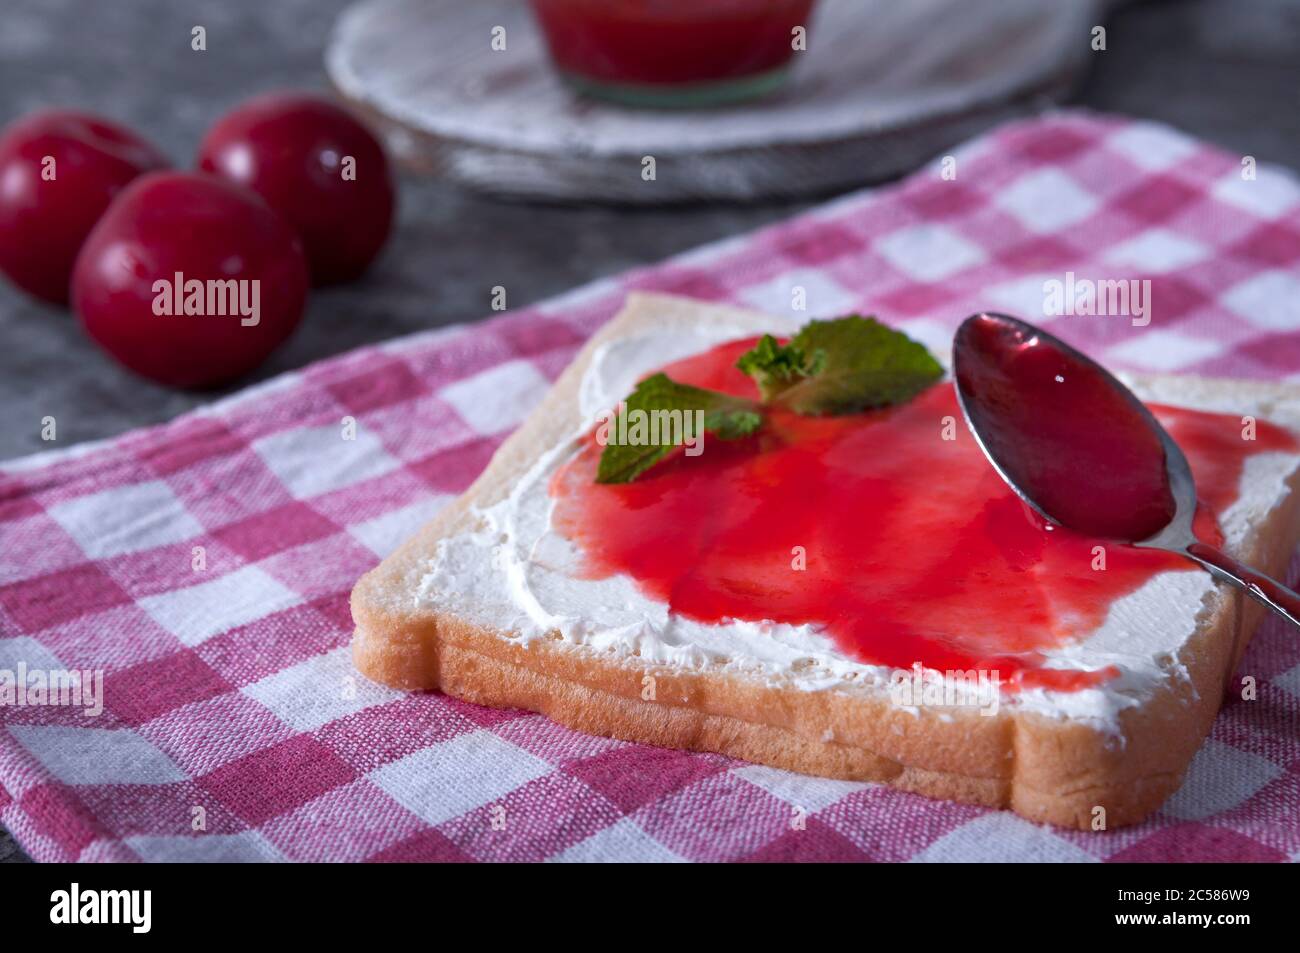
point(204, 566)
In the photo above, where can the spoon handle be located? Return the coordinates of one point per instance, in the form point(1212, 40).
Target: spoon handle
point(1281, 599)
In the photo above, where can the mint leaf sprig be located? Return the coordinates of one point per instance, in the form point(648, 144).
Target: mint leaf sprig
point(841, 366)
point(776, 367)
point(666, 412)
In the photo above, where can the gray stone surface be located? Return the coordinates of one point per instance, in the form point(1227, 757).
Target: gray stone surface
point(1226, 70)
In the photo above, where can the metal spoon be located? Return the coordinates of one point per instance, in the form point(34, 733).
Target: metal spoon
point(1044, 414)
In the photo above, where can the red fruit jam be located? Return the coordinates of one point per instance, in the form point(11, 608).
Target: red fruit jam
point(608, 46)
point(915, 549)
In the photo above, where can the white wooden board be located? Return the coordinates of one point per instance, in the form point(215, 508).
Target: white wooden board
point(883, 85)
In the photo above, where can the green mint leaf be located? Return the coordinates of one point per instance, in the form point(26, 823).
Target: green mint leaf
point(662, 414)
point(776, 366)
point(830, 367)
point(840, 367)
point(732, 424)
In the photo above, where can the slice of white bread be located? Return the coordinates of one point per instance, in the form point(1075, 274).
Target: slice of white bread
point(1047, 767)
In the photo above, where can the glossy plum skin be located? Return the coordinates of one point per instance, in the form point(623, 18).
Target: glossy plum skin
point(44, 220)
point(290, 148)
point(207, 230)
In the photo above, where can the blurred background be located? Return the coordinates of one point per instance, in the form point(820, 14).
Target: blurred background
point(1224, 70)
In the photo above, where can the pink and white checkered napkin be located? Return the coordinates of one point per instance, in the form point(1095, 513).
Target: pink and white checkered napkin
point(234, 727)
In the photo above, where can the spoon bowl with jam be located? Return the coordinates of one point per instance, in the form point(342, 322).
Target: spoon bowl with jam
point(1082, 451)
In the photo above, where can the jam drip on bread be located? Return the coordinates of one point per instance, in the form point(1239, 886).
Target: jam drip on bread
point(888, 530)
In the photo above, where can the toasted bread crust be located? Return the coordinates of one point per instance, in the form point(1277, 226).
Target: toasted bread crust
point(1046, 769)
